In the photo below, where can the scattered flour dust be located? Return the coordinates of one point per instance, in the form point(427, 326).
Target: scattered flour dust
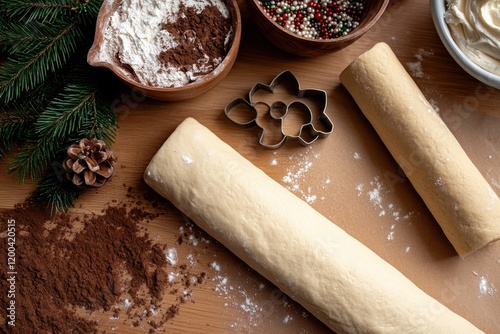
point(415, 68)
point(237, 297)
point(485, 287)
point(435, 105)
point(295, 179)
point(171, 256)
point(375, 191)
point(254, 303)
point(494, 183)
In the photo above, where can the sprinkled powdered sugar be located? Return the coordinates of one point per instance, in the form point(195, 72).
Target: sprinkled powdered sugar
point(485, 287)
point(248, 305)
point(187, 160)
point(416, 67)
point(435, 105)
point(171, 256)
point(375, 192)
point(215, 266)
point(252, 302)
point(375, 196)
point(296, 174)
point(235, 296)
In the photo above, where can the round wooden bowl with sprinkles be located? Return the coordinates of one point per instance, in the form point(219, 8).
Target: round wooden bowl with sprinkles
point(314, 27)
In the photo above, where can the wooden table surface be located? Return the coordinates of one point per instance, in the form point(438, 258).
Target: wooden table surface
point(336, 175)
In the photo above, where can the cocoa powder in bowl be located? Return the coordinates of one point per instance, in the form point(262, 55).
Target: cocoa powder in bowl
point(177, 43)
point(103, 54)
point(201, 38)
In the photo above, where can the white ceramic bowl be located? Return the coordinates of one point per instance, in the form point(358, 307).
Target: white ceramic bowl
point(438, 8)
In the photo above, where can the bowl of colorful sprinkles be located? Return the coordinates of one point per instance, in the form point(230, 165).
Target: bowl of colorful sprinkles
point(314, 27)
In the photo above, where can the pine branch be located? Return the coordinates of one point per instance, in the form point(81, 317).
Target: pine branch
point(45, 10)
point(17, 118)
point(80, 108)
point(103, 123)
point(20, 74)
point(33, 159)
point(49, 96)
point(56, 191)
point(98, 119)
point(76, 112)
point(16, 125)
point(20, 37)
point(66, 113)
point(4, 21)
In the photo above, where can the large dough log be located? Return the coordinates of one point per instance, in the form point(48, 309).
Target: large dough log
point(334, 276)
point(458, 196)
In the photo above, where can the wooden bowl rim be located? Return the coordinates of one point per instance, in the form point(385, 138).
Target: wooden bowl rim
point(356, 33)
point(108, 8)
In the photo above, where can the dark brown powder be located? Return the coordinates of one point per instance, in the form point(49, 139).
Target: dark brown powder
point(76, 266)
point(68, 263)
point(199, 36)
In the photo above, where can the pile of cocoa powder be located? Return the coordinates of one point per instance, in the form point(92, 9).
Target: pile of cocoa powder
point(97, 262)
point(201, 39)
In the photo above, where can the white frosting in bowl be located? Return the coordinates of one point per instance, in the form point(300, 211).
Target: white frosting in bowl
point(475, 28)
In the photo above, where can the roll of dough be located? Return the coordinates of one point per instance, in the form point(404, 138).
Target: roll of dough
point(458, 196)
point(334, 276)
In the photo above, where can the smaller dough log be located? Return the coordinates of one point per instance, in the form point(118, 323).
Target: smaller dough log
point(334, 276)
point(455, 192)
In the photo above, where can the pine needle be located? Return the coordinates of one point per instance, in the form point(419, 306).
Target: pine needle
point(24, 72)
point(66, 114)
point(56, 191)
point(50, 97)
point(44, 10)
point(20, 37)
point(32, 160)
point(16, 125)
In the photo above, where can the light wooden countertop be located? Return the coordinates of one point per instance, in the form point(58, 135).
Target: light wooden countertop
point(335, 175)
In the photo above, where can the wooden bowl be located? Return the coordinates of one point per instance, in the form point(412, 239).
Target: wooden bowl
point(96, 57)
point(308, 47)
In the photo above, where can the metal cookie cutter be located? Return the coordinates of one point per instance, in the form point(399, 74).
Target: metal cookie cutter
point(272, 117)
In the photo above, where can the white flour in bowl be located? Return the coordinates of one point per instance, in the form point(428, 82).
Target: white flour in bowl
point(136, 36)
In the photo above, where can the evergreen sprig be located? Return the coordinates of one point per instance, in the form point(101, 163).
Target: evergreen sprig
point(40, 50)
point(49, 10)
point(50, 97)
point(16, 123)
point(52, 186)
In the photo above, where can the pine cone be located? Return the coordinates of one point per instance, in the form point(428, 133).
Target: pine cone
point(89, 163)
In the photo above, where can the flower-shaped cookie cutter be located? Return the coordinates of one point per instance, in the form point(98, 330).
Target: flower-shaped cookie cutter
point(270, 116)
